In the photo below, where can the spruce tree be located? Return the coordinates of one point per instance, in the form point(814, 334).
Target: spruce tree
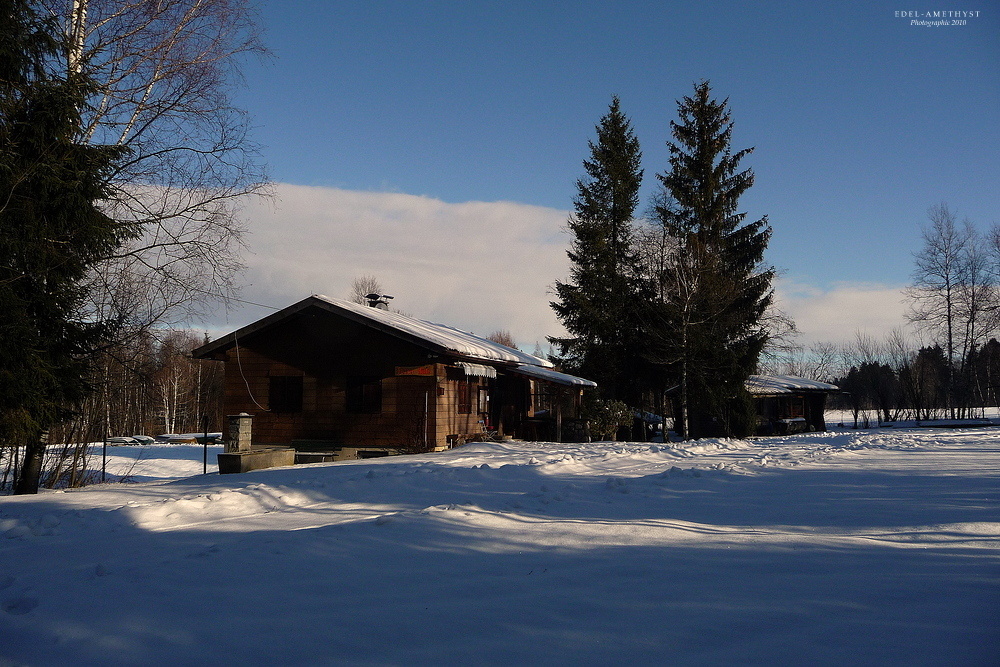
point(708, 333)
point(597, 305)
point(52, 230)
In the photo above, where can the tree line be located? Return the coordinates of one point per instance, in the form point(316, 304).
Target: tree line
point(950, 367)
point(149, 386)
point(895, 377)
point(674, 306)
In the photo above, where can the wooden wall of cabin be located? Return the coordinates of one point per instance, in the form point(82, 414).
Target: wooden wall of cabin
point(453, 421)
point(505, 409)
point(327, 352)
point(512, 406)
point(331, 354)
point(324, 415)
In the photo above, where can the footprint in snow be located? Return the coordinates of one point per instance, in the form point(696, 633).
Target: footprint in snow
point(210, 550)
point(616, 484)
point(20, 605)
point(17, 532)
point(680, 472)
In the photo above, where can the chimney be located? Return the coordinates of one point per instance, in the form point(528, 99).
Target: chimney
point(380, 301)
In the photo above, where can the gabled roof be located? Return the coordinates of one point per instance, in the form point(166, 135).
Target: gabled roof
point(785, 384)
point(436, 337)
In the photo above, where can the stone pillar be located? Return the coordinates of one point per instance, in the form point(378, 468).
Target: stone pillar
point(240, 427)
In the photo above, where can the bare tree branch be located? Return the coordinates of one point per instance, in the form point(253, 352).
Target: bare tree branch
point(164, 71)
point(363, 286)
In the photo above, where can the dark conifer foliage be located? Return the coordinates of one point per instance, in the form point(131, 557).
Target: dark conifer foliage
point(598, 304)
point(707, 330)
point(51, 232)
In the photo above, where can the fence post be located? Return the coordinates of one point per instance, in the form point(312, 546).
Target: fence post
point(204, 428)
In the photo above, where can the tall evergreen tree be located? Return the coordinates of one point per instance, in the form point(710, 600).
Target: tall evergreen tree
point(597, 305)
point(52, 230)
point(708, 330)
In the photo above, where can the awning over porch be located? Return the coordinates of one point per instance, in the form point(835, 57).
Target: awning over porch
point(476, 370)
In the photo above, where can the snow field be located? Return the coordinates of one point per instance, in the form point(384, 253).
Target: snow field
point(877, 547)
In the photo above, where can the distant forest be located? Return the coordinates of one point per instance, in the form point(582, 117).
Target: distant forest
point(150, 386)
point(953, 371)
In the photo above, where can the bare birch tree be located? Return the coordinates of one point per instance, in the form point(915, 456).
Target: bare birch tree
point(952, 292)
point(782, 354)
point(677, 282)
point(164, 71)
point(179, 383)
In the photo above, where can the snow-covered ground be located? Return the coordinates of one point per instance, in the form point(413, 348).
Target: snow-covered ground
point(878, 547)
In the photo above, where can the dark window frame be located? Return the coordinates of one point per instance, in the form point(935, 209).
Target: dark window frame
point(284, 393)
point(463, 396)
point(363, 395)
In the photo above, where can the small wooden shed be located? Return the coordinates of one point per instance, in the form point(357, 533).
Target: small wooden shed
point(330, 375)
point(788, 404)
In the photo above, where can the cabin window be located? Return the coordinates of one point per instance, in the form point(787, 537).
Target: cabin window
point(796, 408)
point(542, 397)
point(285, 393)
point(464, 389)
point(364, 394)
point(484, 400)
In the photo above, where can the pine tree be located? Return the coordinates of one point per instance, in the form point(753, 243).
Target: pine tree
point(708, 332)
point(597, 305)
point(51, 232)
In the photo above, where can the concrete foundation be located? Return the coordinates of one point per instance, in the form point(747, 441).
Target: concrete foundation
point(257, 459)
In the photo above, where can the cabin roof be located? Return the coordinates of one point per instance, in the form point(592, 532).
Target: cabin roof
point(437, 337)
point(786, 384)
point(552, 376)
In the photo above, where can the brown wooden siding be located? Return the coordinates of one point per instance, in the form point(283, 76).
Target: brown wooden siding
point(325, 352)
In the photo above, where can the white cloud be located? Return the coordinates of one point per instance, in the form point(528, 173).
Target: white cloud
point(479, 266)
point(837, 312)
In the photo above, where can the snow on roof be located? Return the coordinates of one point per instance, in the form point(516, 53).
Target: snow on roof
point(785, 384)
point(454, 340)
point(553, 376)
point(447, 339)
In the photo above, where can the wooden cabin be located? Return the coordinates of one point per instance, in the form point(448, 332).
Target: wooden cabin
point(334, 376)
point(787, 404)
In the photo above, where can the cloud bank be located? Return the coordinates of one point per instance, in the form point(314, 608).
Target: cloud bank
point(479, 266)
point(836, 313)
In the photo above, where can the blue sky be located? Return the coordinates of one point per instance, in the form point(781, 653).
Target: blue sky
point(860, 120)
